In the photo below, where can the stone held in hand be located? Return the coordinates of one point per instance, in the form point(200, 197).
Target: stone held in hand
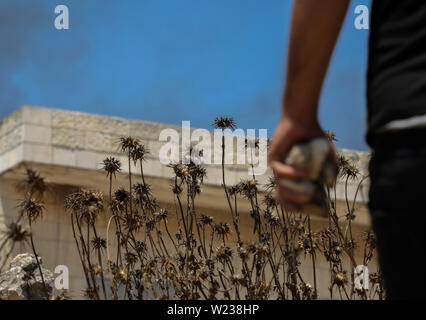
point(313, 158)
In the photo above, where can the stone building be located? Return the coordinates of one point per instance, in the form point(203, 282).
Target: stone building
point(67, 148)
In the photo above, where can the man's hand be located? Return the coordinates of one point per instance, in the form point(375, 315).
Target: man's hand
point(288, 133)
point(315, 27)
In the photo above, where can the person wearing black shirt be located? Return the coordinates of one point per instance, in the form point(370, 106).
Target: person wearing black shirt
point(396, 132)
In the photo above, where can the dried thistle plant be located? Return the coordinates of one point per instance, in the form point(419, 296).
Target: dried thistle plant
point(199, 257)
point(201, 260)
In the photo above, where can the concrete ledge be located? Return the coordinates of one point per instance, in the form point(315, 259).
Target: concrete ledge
point(80, 140)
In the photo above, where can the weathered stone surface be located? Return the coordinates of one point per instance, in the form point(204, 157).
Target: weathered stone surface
point(37, 115)
point(11, 139)
point(23, 280)
point(11, 122)
point(63, 119)
point(99, 141)
point(69, 138)
point(148, 130)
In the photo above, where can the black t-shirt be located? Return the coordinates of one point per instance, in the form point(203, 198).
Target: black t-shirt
point(396, 85)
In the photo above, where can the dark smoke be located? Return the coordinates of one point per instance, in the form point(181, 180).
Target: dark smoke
point(19, 23)
point(29, 41)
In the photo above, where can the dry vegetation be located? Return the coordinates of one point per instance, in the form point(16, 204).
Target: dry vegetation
point(140, 257)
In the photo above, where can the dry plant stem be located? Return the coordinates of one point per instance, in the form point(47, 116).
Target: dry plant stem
point(117, 223)
point(142, 175)
point(130, 183)
point(114, 286)
point(351, 241)
point(7, 255)
point(37, 260)
point(79, 253)
point(5, 240)
point(87, 255)
point(313, 257)
point(100, 263)
point(234, 216)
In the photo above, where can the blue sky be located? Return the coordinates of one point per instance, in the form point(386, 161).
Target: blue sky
point(172, 60)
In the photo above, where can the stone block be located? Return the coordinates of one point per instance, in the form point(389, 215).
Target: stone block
point(89, 159)
point(63, 119)
point(37, 134)
point(37, 115)
point(70, 138)
point(99, 141)
point(10, 122)
point(10, 158)
point(64, 157)
point(37, 153)
point(147, 130)
point(11, 139)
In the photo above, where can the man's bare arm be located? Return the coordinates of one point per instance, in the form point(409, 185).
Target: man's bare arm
point(314, 31)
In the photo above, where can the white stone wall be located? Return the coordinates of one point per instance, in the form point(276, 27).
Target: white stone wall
point(81, 140)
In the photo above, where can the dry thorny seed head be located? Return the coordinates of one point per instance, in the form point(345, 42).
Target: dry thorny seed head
point(206, 220)
point(128, 144)
point(97, 270)
point(224, 123)
point(331, 136)
point(111, 166)
point(90, 293)
point(85, 204)
point(179, 169)
point(234, 190)
point(121, 195)
point(134, 222)
point(340, 279)
point(130, 258)
point(248, 188)
point(35, 183)
point(238, 279)
point(196, 172)
point(32, 209)
point(222, 229)
point(269, 200)
point(142, 190)
point(121, 275)
point(17, 233)
point(63, 295)
point(99, 243)
point(223, 253)
point(243, 252)
point(261, 249)
point(140, 247)
point(161, 215)
point(271, 218)
point(346, 169)
point(369, 238)
point(139, 152)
